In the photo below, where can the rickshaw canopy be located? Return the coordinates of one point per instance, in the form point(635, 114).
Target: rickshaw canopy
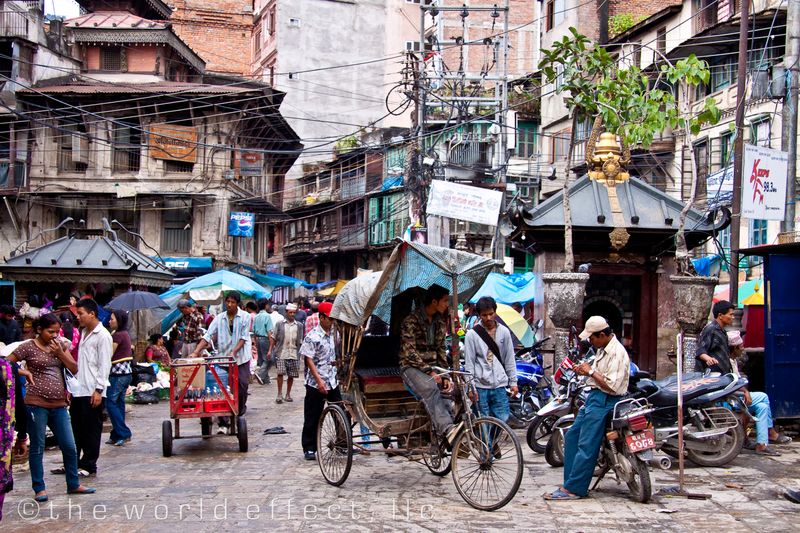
point(410, 265)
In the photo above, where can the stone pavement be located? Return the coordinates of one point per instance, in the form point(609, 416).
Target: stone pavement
point(210, 486)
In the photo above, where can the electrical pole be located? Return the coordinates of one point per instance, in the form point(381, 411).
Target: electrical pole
point(789, 118)
point(738, 151)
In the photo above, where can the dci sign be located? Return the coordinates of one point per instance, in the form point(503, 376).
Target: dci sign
point(464, 202)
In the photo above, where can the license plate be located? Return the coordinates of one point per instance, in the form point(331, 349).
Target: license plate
point(639, 442)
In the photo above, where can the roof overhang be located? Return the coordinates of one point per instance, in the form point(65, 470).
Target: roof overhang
point(789, 248)
point(143, 36)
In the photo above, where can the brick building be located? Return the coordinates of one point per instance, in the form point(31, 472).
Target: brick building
point(218, 30)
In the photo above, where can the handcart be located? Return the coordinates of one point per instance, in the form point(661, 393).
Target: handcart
point(485, 458)
point(203, 402)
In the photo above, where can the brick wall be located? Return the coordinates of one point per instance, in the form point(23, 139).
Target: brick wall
point(219, 31)
point(639, 8)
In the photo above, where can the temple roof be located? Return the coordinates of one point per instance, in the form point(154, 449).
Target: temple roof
point(646, 213)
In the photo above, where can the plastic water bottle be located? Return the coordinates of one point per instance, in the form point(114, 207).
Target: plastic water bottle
point(189, 394)
point(207, 395)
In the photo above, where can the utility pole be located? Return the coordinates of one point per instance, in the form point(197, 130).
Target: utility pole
point(789, 118)
point(738, 151)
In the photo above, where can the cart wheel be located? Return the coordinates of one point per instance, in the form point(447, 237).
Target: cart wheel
point(241, 432)
point(166, 438)
point(334, 445)
point(436, 458)
point(205, 427)
point(487, 464)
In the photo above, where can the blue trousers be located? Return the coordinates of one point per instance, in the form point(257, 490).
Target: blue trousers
point(759, 408)
point(59, 421)
point(115, 405)
point(493, 402)
point(582, 441)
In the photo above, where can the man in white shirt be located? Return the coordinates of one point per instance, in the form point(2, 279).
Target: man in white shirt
point(232, 332)
point(94, 366)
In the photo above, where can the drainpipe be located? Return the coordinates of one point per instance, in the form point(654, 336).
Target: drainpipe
point(602, 11)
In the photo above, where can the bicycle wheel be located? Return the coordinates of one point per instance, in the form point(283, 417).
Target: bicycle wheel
point(436, 458)
point(487, 464)
point(334, 445)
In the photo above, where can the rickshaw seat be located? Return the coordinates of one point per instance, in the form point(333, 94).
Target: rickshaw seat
point(377, 380)
point(385, 394)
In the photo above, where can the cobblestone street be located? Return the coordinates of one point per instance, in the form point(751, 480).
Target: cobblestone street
point(210, 486)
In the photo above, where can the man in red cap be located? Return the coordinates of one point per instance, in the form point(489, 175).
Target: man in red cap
point(322, 383)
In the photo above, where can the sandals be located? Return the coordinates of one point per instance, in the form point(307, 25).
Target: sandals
point(59, 470)
point(768, 452)
point(287, 398)
point(782, 439)
point(82, 490)
point(560, 494)
point(278, 400)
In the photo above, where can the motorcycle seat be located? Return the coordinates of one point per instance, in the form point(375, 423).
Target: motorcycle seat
point(694, 385)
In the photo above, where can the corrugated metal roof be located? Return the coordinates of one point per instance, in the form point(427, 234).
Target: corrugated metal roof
point(128, 88)
point(109, 20)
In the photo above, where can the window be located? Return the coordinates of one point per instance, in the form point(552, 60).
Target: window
point(176, 232)
point(178, 167)
point(271, 69)
point(724, 238)
point(661, 41)
point(271, 22)
point(760, 133)
point(758, 232)
point(527, 133)
point(5, 139)
point(723, 74)
point(353, 214)
point(701, 160)
point(26, 62)
point(127, 147)
point(111, 59)
point(725, 149)
point(73, 147)
point(554, 13)
point(257, 42)
point(560, 146)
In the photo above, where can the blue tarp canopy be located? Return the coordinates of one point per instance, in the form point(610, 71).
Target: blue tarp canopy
point(507, 288)
point(703, 265)
point(270, 279)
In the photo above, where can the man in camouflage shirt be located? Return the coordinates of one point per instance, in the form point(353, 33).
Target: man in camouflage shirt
point(422, 347)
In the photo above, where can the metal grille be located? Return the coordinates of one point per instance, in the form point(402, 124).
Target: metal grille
point(127, 148)
point(110, 59)
point(721, 417)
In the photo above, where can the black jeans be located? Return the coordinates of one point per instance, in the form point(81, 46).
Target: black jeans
point(312, 410)
point(87, 427)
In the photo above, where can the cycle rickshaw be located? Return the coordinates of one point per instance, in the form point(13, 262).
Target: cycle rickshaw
point(485, 458)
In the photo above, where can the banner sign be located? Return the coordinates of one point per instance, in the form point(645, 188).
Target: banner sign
point(173, 143)
point(194, 265)
point(250, 163)
point(242, 224)
point(719, 186)
point(764, 183)
point(464, 202)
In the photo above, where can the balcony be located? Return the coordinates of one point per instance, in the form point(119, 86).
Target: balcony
point(312, 242)
point(13, 24)
point(470, 151)
point(353, 237)
point(20, 179)
point(354, 184)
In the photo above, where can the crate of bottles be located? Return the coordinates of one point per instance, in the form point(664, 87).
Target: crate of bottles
point(188, 407)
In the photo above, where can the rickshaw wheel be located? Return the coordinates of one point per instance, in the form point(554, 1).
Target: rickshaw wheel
point(334, 445)
point(487, 464)
point(166, 438)
point(436, 458)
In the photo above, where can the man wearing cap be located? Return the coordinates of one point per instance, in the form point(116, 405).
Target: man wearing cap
point(190, 326)
point(712, 345)
point(607, 383)
point(288, 338)
point(322, 384)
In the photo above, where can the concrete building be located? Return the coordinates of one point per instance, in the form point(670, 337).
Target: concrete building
point(140, 135)
point(340, 64)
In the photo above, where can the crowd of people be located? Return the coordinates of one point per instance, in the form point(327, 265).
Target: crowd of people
point(73, 368)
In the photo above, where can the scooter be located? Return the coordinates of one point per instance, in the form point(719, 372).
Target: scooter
point(535, 389)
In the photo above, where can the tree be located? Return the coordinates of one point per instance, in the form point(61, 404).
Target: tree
point(630, 103)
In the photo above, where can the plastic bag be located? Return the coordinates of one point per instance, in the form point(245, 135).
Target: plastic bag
point(145, 397)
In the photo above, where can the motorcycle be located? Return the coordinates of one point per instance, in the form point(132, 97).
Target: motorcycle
point(712, 435)
point(628, 447)
point(535, 389)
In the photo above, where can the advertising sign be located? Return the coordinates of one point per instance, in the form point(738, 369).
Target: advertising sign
point(764, 183)
point(242, 224)
point(173, 143)
point(464, 202)
point(720, 187)
point(250, 163)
